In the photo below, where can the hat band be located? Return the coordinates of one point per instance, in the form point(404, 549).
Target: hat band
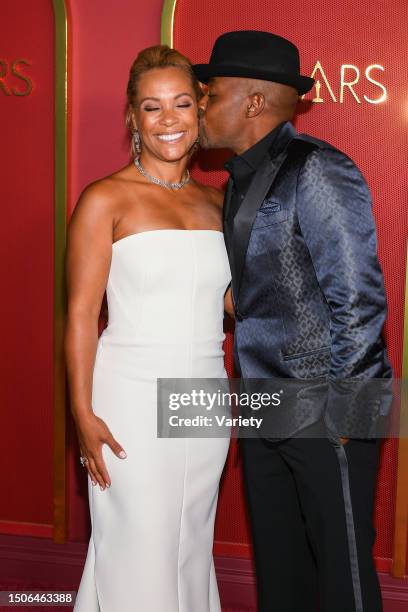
point(258, 68)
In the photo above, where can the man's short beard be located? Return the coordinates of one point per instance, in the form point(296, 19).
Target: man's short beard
point(204, 142)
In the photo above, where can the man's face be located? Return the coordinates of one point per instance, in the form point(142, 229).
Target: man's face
point(222, 113)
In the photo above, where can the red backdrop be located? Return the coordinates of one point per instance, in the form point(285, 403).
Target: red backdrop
point(99, 146)
point(26, 261)
point(360, 35)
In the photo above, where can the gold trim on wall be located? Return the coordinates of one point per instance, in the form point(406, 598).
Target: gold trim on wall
point(60, 207)
point(167, 22)
point(399, 568)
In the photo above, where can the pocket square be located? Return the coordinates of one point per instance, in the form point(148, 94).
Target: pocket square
point(270, 213)
point(269, 206)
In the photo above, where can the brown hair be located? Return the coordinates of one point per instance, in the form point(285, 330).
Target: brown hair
point(159, 56)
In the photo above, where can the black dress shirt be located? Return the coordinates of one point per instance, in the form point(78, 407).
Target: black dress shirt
point(243, 167)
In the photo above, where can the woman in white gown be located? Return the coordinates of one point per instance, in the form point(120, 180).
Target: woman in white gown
point(152, 237)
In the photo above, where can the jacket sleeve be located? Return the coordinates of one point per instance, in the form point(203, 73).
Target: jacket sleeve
point(335, 217)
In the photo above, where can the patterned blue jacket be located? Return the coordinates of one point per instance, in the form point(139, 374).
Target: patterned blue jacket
point(308, 287)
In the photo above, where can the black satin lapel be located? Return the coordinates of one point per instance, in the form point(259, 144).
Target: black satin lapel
point(244, 219)
point(227, 224)
point(227, 200)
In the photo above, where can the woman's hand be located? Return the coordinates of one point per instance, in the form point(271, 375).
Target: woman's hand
point(92, 434)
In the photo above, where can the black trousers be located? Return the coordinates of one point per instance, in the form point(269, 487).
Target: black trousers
point(310, 503)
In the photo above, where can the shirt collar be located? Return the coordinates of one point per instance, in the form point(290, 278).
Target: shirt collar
point(241, 166)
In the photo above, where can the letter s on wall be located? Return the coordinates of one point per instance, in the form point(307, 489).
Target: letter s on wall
point(383, 97)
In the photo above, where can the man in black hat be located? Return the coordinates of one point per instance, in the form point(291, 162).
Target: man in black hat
point(309, 304)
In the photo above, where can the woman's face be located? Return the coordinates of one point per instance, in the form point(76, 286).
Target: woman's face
point(166, 113)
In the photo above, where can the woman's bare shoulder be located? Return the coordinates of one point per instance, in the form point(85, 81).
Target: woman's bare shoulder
point(97, 205)
point(102, 195)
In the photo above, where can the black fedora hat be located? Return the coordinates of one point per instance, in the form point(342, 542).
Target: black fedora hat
point(256, 55)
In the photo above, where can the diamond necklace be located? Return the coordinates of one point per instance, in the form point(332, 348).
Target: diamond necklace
point(157, 181)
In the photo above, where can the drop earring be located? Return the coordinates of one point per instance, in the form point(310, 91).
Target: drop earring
point(136, 140)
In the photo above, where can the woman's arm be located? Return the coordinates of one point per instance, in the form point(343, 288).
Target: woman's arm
point(88, 257)
point(217, 197)
point(228, 303)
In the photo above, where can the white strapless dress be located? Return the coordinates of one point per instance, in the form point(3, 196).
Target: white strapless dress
point(150, 548)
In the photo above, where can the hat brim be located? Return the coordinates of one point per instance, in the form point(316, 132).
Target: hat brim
point(204, 72)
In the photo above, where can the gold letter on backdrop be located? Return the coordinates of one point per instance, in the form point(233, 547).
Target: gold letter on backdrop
point(348, 84)
point(4, 70)
point(319, 67)
point(384, 94)
point(3, 73)
point(18, 74)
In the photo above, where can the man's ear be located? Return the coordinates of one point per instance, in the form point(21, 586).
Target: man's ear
point(256, 104)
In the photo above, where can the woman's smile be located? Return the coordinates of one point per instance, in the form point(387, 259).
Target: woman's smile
point(172, 137)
